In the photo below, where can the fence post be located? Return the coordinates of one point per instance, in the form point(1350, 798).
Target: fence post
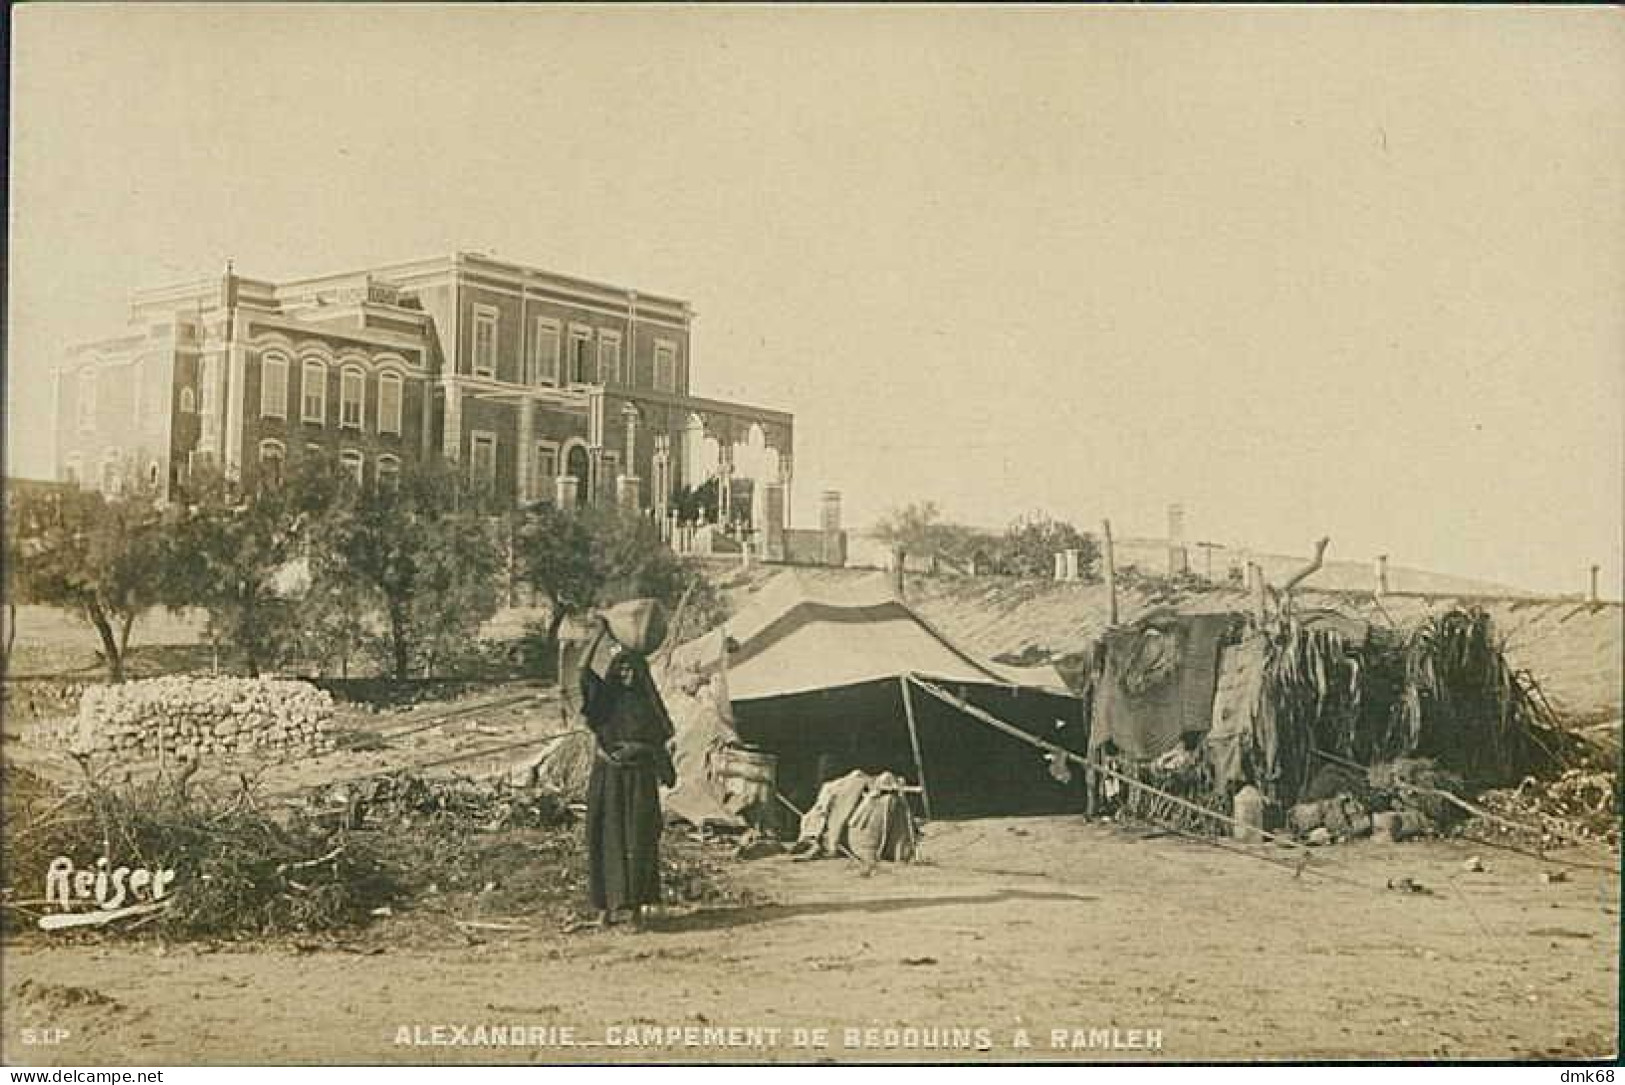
point(1109, 562)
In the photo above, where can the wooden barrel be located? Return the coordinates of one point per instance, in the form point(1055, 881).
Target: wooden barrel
point(748, 776)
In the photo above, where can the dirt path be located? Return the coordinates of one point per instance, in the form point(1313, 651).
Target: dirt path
point(1019, 924)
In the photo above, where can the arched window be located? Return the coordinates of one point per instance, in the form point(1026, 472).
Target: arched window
point(389, 402)
point(353, 464)
point(273, 454)
point(188, 400)
point(313, 392)
point(274, 386)
point(352, 396)
point(389, 472)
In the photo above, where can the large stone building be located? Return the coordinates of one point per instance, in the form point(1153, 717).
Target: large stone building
point(541, 386)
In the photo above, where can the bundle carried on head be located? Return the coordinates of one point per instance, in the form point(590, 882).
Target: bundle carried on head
point(638, 625)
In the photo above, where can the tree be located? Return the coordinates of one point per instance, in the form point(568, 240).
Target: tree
point(337, 621)
point(915, 528)
point(583, 558)
point(16, 588)
point(423, 553)
point(919, 529)
point(237, 554)
point(101, 558)
point(1029, 546)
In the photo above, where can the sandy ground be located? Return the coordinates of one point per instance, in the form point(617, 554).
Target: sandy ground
point(1018, 927)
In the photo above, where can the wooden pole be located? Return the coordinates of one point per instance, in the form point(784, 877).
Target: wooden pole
point(1110, 562)
point(914, 742)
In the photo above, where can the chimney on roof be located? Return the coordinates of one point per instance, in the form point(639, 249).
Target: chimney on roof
point(1382, 575)
point(833, 539)
point(1178, 558)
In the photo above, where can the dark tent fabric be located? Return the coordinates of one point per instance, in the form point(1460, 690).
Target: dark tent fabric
point(1158, 683)
point(969, 769)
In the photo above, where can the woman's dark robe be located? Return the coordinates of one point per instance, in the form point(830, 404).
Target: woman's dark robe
point(629, 720)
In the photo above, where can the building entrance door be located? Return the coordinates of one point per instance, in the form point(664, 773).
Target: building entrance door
point(576, 464)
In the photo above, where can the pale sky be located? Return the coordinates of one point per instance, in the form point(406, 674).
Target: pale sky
point(1351, 272)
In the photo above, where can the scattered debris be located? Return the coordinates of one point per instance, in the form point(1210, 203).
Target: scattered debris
point(758, 846)
point(1581, 804)
point(1473, 865)
point(1387, 826)
point(1408, 885)
point(490, 925)
point(404, 799)
point(40, 995)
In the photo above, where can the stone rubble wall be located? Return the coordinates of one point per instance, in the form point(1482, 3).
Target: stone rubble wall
point(193, 717)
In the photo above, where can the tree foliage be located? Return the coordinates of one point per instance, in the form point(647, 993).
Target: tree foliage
point(237, 553)
point(1026, 548)
point(423, 553)
point(1029, 546)
point(100, 558)
point(588, 557)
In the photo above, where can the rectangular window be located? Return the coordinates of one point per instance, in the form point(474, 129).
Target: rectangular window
point(609, 358)
point(485, 341)
point(389, 403)
point(87, 400)
point(666, 366)
point(352, 398)
point(313, 398)
point(482, 459)
point(543, 363)
point(274, 388)
point(138, 385)
point(544, 468)
point(581, 356)
point(209, 399)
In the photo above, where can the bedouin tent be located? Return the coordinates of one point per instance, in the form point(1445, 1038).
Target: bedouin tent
point(817, 672)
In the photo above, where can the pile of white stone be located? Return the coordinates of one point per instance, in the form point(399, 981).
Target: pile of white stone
point(193, 717)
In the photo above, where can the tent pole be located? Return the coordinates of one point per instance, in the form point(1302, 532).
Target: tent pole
point(914, 741)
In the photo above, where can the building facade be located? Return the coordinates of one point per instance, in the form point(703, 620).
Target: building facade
point(541, 386)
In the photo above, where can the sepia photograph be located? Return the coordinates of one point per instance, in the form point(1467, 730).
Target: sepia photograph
point(697, 534)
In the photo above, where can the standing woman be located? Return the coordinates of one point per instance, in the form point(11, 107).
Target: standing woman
point(631, 760)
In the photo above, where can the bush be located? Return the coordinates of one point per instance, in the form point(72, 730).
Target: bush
point(239, 873)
